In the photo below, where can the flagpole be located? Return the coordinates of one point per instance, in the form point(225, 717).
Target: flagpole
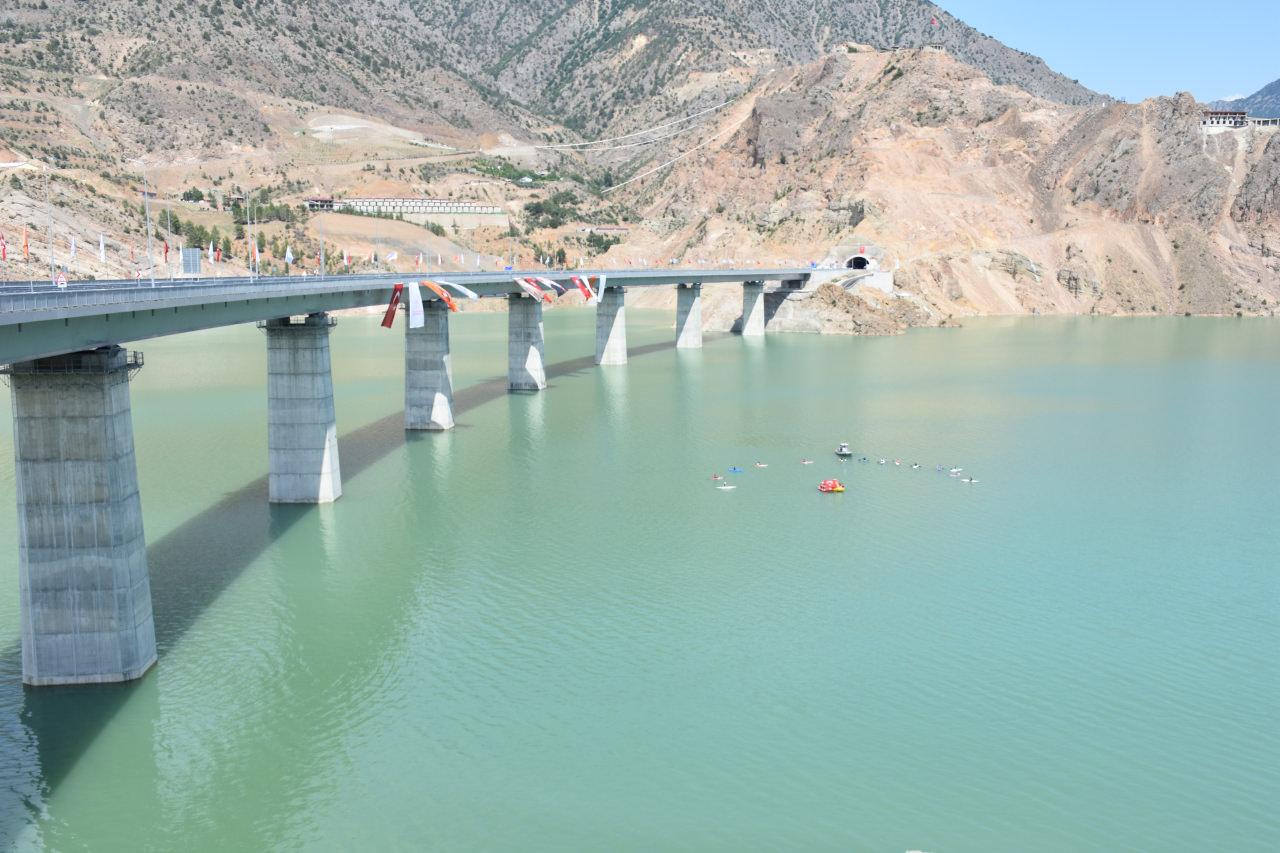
point(48, 209)
point(169, 216)
point(146, 204)
point(320, 225)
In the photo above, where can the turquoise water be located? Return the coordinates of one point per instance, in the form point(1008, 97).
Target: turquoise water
point(547, 631)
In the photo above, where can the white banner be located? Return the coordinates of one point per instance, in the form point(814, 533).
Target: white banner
point(416, 318)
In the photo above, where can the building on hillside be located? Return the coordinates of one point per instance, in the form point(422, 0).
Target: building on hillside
point(446, 212)
point(1235, 119)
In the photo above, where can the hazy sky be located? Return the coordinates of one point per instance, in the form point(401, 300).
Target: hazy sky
point(1134, 49)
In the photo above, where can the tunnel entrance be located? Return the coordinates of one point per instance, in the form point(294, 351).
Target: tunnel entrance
point(857, 262)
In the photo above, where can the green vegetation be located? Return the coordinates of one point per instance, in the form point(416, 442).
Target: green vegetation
point(507, 170)
point(193, 194)
point(554, 211)
point(600, 243)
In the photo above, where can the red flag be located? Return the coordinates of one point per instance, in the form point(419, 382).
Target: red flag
point(933, 21)
point(26, 249)
point(4, 249)
point(390, 316)
point(217, 255)
point(166, 251)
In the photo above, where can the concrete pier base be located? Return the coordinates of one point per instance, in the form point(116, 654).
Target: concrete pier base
point(688, 316)
point(302, 431)
point(428, 371)
point(611, 326)
point(525, 368)
point(753, 308)
point(82, 558)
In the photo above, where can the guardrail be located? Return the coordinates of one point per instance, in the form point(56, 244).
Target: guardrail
point(17, 299)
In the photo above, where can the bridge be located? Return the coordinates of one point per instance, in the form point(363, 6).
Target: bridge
point(84, 584)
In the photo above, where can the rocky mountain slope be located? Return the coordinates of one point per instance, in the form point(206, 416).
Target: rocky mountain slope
point(989, 199)
point(1265, 102)
point(990, 183)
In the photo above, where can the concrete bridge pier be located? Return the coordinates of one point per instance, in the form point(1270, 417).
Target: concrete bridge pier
point(688, 316)
point(752, 308)
point(82, 559)
point(611, 326)
point(302, 430)
point(525, 367)
point(428, 371)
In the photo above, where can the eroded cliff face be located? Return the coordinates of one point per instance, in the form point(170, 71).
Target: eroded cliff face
point(988, 200)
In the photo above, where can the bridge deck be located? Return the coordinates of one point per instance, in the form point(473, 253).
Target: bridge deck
point(39, 320)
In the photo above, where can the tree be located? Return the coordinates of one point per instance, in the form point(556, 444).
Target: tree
point(193, 194)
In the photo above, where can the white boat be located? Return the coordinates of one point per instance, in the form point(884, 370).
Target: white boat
point(726, 488)
point(843, 449)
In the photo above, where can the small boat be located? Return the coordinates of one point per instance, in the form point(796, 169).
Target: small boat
point(915, 465)
point(955, 471)
point(806, 461)
point(883, 461)
point(716, 477)
point(762, 464)
point(970, 480)
point(725, 487)
point(829, 486)
point(843, 449)
point(735, 470)
point(897, 462)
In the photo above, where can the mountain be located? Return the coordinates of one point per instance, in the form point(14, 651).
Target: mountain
point(1264, 103)
point(985, 198)
point(498, 64)
point(989, 182)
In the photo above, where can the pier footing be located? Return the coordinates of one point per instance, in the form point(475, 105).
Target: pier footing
point(688, 316)
point(82, 558)
point(428, 371)
point(752, 308)
point(302, 430)
point(611, 326)
point(525, 368)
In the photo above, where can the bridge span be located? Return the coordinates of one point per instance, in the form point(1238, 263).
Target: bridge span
point(84, 585)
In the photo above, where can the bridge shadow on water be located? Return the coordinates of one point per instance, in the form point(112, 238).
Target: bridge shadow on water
point(190, 568)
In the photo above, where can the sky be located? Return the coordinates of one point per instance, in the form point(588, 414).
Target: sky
point(1134, 49)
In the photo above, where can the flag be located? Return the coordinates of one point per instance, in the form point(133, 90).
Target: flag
point(217, 254)
point(554, 285)
point(439, 260)
point(416, 318)
point(391, 256)
point(442, 293)
point(470, 294)
point(419, 261)
point(211, 251)
point(533, 290)
point(26, 248)
point(585, 288)
point(4, 248)
point(166, 251)
point(346, 258)
point(102, 248)
point(288, 254)
point(73, 249)
point(934, 21)
point(390, 316)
